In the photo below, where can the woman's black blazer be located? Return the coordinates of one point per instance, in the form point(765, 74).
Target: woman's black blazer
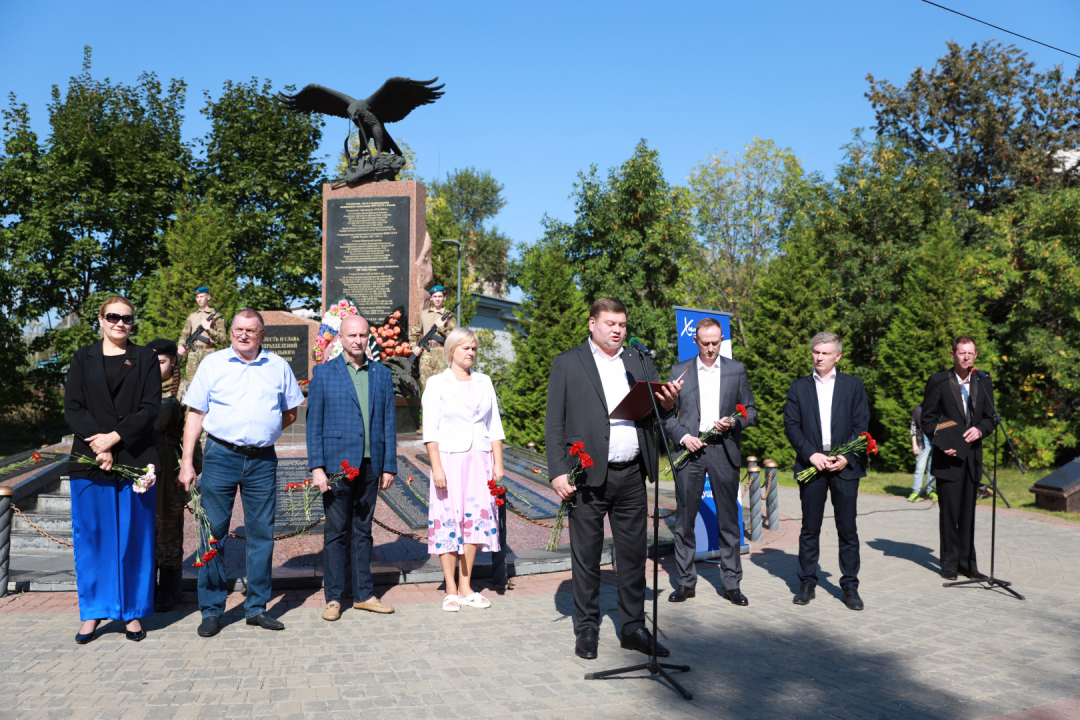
point(89, 408)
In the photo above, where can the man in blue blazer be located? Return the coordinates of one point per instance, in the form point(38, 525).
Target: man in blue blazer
point(824, 410)
point(351, 418)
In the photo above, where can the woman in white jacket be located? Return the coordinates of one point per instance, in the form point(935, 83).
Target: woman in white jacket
point(463, 433)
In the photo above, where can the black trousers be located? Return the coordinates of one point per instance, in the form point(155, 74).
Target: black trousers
point(724, 480)
point(845, 494)
point(350, 508)
point(956, 521)
point(623, 499)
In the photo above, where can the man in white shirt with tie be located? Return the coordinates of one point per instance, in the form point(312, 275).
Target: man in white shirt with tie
point(712, 388)
point(587, 383)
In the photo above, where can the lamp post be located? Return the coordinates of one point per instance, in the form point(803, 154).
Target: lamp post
point(458, 243)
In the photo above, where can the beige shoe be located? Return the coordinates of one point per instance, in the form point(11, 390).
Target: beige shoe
point(374, 604)
point(332, 611)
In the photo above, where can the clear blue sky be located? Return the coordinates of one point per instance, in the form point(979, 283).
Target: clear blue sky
point(536, 92)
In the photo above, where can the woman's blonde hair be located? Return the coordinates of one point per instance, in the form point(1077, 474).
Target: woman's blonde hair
point(458, 337)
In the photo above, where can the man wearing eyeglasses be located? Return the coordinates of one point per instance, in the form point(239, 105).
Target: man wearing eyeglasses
point(209, 331)
point(243, 397)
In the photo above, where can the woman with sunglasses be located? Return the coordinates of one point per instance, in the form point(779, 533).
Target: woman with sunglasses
point(111, 401)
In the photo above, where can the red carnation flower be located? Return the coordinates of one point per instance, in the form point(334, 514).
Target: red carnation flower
point(198, 564)
point(499, 502)
point(213, 541)
point(36, 457)
point(409, 479)
point(576, 448)
point(586, 460)
point(741, 409)
point(345, 465)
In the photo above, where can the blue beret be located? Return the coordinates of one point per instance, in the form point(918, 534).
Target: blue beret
point(437, 288)
point(202, 289)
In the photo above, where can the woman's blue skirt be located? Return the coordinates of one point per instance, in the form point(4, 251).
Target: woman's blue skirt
point(113, 535)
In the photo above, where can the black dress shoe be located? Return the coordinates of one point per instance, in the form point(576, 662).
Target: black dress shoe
point(976, 575)
point(587, 641)
point(642, 641)
point(852, 599)
point(210, 626)
point(83, 639)
point(948, 576)
point(681, 594)
point(135, 636)
point(805, 595)
point(265, 621)
point(735, 597)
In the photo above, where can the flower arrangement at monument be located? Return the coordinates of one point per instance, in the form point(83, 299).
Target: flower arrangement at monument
point(862, 443)
point(328, 340)
point(498, 491)
point(388, 338)
point(142, 479)
point(205, 547)
point(300, 498)
point(584, 462)
point(705, 437)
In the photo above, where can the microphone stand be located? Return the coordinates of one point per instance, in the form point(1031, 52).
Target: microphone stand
point(654, 667)
point(992, 581)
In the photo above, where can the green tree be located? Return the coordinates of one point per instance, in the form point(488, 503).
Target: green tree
point(1027, 270)
point(792, 303)
point(553, 318)
point(741, 209)
point(473, 199)
point(195, 253)
point(938, 303)
point(261, 169)
point(79, 213)
point(631, 233)
point(988, 117)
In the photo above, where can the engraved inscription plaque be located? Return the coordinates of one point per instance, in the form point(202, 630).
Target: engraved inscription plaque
point(291, 343)
point(367, 253)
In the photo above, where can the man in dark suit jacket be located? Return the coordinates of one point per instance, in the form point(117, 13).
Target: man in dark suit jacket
point(713, 386)
point(956, 395)
point(825, 410)
point(351, 418)
point(587, 383)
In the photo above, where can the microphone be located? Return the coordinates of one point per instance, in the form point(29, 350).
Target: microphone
point(640, 347)
point(980, 374)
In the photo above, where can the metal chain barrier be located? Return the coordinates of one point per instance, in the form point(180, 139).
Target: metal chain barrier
point(414, 536)
point(42, 532)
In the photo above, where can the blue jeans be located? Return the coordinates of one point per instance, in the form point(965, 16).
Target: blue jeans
point(223, 471)
point(350, 508)
point(922, 462)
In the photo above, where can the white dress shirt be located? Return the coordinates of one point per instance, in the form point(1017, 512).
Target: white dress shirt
point(824, 389)
point(243, 401)
point(965, 391)
point(623, 440)
point(708, 393)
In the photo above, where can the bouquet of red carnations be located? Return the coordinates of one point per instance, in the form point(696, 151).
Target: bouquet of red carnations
point(705, 437)
point(862, 443)
point(584, 462)
point(301, 497)
point(206, 548)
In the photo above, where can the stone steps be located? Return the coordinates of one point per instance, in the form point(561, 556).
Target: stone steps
point(50, 510)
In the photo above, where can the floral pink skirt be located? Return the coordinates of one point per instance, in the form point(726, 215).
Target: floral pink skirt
point(464, 513)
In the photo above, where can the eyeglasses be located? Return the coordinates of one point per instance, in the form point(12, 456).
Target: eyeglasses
point(244, 333)
point(117, 317)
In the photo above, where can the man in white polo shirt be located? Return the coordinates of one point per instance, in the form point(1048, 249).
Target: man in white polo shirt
point(243, 397)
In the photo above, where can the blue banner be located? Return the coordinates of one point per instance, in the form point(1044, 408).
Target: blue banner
point(686, 320)
point(706, 532)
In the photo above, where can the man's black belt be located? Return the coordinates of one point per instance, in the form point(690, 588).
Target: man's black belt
point(249, 450)
point(625, 465)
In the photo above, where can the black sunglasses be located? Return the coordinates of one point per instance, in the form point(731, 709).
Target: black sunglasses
point(117, 317)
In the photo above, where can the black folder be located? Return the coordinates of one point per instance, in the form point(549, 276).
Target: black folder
point(949, 435)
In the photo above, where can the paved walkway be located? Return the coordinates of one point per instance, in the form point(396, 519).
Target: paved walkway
point(918, 651)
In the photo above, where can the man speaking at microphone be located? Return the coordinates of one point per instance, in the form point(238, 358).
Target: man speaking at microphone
point(587, 383)
point(956, 395)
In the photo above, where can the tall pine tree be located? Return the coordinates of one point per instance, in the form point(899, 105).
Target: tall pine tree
point(553, 318)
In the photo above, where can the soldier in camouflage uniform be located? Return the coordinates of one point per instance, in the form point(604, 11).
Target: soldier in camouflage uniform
point(214, 335)
point(432, 361)
point(171, 496)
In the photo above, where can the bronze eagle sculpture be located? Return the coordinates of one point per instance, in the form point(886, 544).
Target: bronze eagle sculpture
point(392, 102)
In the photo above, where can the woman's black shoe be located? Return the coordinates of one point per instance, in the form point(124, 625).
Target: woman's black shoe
point(83, 639)
point(135, 636)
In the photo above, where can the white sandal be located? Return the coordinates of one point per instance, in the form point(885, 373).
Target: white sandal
point(476, 600)
point(448, 607)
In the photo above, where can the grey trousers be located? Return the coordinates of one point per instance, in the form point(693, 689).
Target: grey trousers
point(724, 479)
